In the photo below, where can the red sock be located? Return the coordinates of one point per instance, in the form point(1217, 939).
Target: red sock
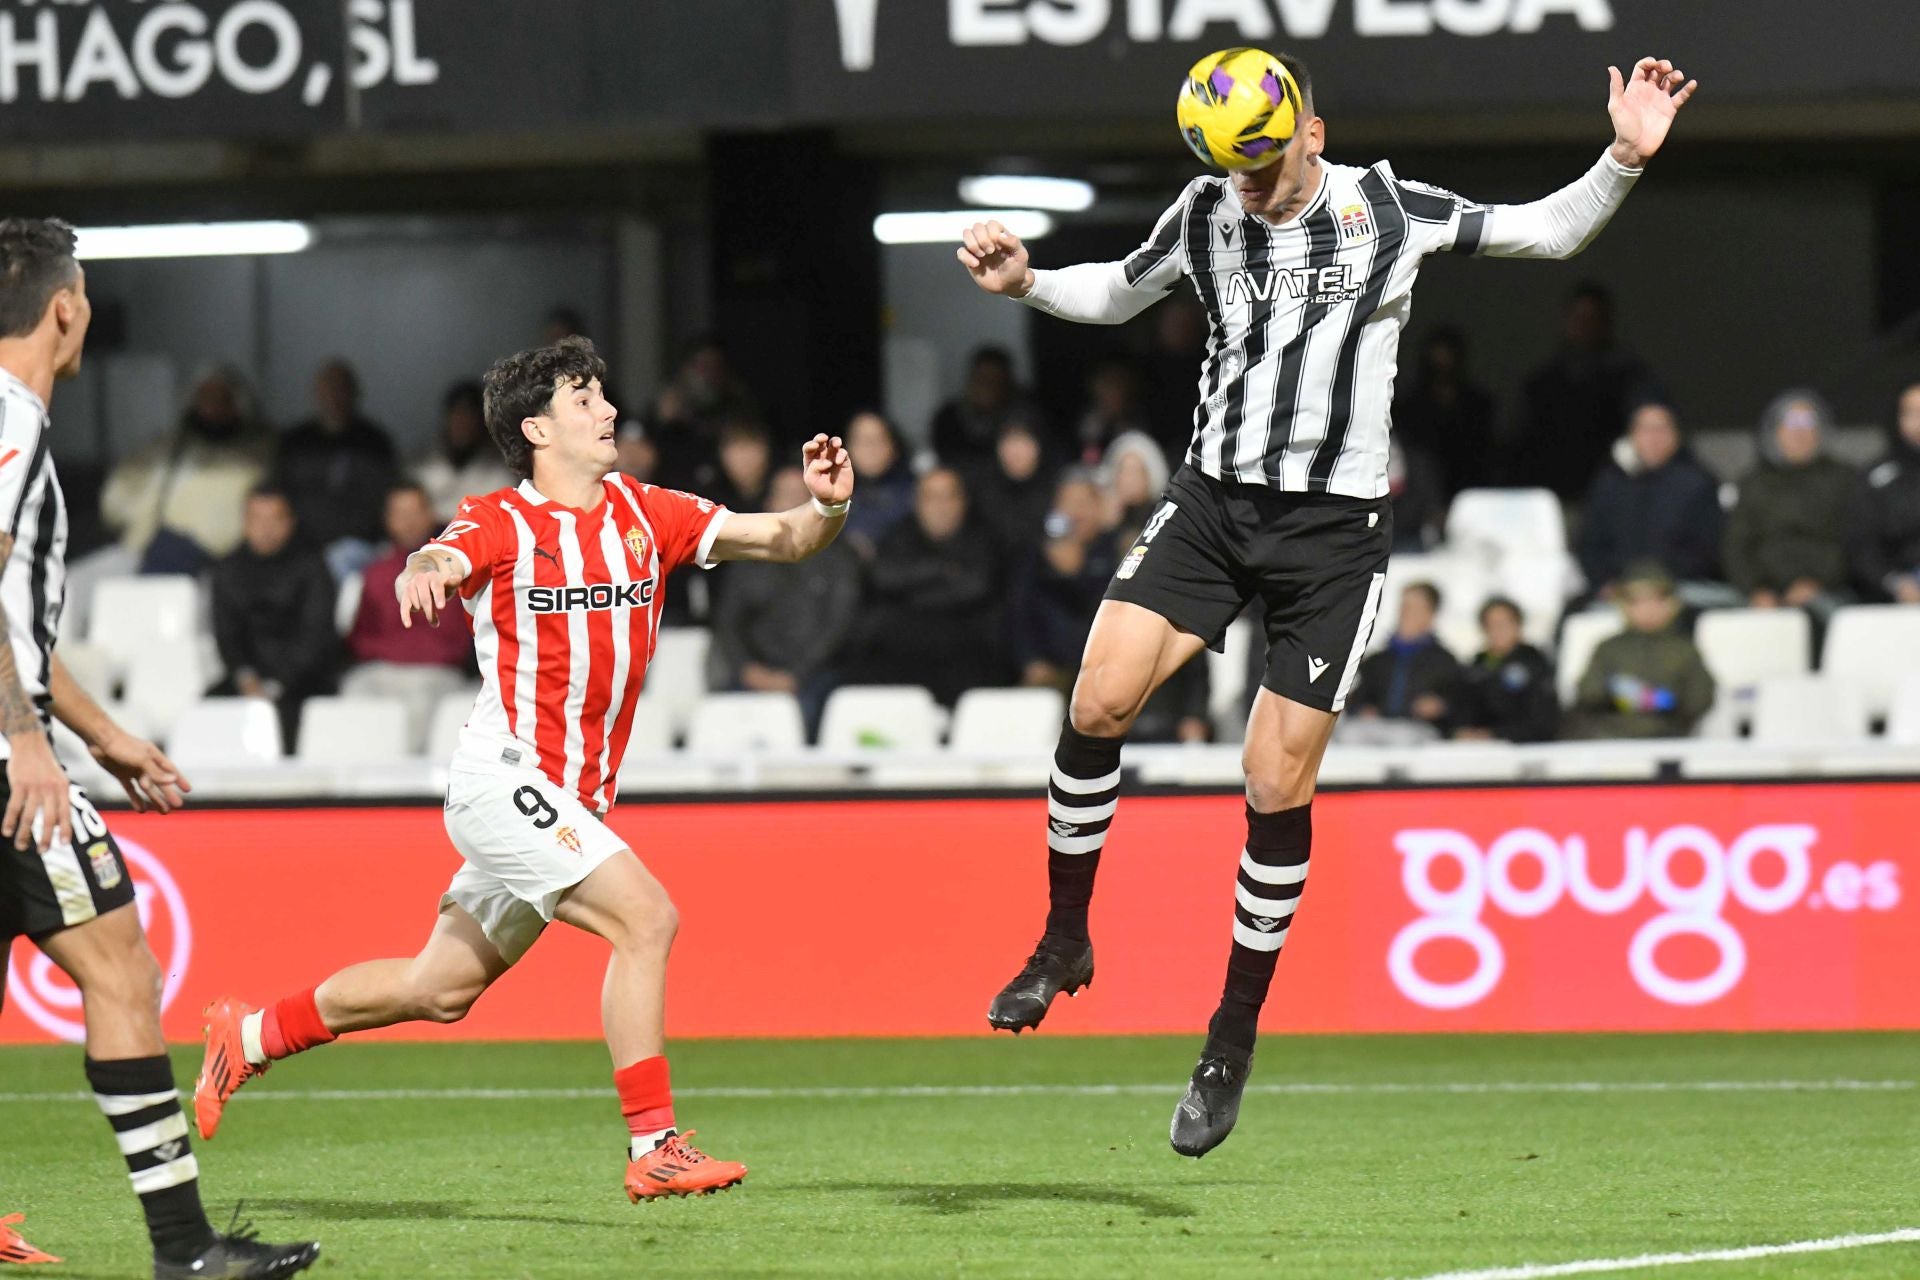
point(293, 1026)
point(646, 1097)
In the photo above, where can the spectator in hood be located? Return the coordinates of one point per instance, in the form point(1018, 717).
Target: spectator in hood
point(176, 503)
point(1507, 691)
point(746, 462)
point(1413, 486)
point(1133, 476)
point(966, 428)
point(1889, 553)
point(337, 467)
point(1572, 406)
point(886, 480)
point(465, 462)
point(1793, 530)
point(1653, 501)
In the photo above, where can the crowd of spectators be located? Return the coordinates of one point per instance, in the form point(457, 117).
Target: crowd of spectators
point(980, 557)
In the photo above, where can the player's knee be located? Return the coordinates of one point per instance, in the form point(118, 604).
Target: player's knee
point(1275, 780)
point(1106, 701)
point(128, 980)
point(652, 924)
point(447, 1004)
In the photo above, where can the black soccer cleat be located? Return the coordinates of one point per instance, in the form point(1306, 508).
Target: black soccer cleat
point(241, 1257)
point(1205, 1116)
point(1056, 965)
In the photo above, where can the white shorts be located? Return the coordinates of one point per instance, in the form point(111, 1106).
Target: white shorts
point(526, 841)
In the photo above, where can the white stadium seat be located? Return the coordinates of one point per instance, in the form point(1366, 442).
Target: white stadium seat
point(1903, 721)
point(226, 733)
point(352, 731)
point(131, 613)
point(1008, 721)
point(1464, 583)
point(90, 666)
point(1540, 583)
point(727, 723)
point(890, 717)
point(449, 717)
point(651, 733)
point(1227, 677)
point(1803, 710)
point(1580, 636)
point(677, 680)
point(1871, 647)
point(164, 678)
point(1742, 647)
point(346, 604)
point(1502, 522)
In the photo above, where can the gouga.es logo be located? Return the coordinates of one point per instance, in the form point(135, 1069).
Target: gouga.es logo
point(49, 997)
point(1766, 869)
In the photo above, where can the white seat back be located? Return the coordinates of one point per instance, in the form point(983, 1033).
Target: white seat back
point(1903, 720)
point(449, 717)
point(1500, 522)
point(131, 613)
point(1008, 721)
point(1745, 646)
point(352, 731)
point(1871, 647)
point(1800, 710)
point(165, 678)
point(1580, 636)
point(677, 680)
point(225, 733)
point(726, 723)
point(892, 717)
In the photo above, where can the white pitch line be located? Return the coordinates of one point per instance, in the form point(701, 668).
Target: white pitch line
point(828, 1092)
point(1539, 1271)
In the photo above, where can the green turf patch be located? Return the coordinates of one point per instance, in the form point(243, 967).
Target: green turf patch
point(1361, 1158)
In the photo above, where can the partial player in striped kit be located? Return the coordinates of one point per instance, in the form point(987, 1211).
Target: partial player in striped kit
point(564, 577)
point(63, 883)
point(1306, 270)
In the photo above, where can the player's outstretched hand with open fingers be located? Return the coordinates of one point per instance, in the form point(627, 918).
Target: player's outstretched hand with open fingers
point(1643, 106)
point(425, 593)
point(828, 468)
point(153, 782)
point(37, 795)
point(996, 259)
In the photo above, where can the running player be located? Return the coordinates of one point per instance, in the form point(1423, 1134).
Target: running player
point(564, 577)
point(63, 883)
point(1306, 269)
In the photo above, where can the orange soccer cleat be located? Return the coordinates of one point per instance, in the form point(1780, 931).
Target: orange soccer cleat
point(678, 1168)
point(225, 1067)
point(15, 1249)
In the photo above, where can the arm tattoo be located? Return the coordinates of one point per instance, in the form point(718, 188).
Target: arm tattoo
point(17, 712)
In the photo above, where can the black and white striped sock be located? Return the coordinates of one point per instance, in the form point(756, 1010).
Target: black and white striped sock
point(1082, 794)
point(1273, 872)
point(138, 1097)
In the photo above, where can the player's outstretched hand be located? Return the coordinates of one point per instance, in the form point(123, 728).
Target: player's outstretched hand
point(37, 795)
point(1643, 106)
point(425, 593)
point(153, 782)
point(828, 468)
point(996, 259)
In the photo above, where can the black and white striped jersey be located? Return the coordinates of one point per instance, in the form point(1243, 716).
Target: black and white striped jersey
point(33, 580)
point(1305, 316)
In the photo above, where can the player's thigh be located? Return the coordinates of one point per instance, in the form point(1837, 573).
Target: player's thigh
point(459, 957)
point(75, 900)
point(622, 902)
point(1285, 743)
point(1323, 568)
point(108, 959)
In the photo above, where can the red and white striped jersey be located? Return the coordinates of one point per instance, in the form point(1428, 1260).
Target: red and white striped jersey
point(566, 611)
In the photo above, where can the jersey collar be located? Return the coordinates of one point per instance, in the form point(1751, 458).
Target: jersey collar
point(526, 490)
point(26, 391)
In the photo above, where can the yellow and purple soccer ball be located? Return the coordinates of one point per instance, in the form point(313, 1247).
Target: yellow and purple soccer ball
point(1238, 108)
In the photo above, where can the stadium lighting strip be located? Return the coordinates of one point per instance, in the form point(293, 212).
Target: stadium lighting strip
point(193, 240)
point(945, 227)
point(1065, 195)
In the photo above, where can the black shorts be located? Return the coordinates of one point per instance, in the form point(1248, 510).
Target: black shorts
point(1317, 561)
point(69, 884)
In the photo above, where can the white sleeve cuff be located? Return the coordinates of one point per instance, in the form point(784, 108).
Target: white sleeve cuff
point(704, 557)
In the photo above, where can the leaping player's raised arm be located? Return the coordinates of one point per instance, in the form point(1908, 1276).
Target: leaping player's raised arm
point(785, 537)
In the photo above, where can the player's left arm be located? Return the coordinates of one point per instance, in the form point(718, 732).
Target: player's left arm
point(151, 781)
point(785, 537)
point(1642, 107)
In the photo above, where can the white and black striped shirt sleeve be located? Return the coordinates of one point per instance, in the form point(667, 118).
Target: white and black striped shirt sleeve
point(1115, 292)
point(1557, 226)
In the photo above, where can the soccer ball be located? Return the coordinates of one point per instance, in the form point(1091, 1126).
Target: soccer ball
point(1238, 108)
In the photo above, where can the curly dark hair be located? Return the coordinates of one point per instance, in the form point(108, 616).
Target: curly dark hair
point(36, 260)
point(522, 386)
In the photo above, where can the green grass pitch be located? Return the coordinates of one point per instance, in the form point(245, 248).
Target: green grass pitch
point(915, 1159)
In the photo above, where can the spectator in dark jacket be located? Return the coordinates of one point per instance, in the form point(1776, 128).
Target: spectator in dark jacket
point(337, 467)
point(886, 481)
point(1014, 490)
point(1649, 681)
point(1793, 533)
point(779, 628)
point(1572, 406)
point(1443, 413)
point(966, 427)
point(1653, 502)
point(1414, 678)
point(1507, 691)
point(1413, 486)
point(1059, 586)
point(273, 613)
point(933, 615)
point(1889, 553)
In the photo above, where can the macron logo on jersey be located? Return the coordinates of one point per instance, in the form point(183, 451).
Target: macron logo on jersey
point(595, 598)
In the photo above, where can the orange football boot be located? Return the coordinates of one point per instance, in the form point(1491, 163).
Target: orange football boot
point(678, 1168)
point(15, 1249)
point(225, 1067)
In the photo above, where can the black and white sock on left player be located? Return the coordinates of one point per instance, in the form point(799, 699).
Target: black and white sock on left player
point(1082, 794)
point(1273, 872)
point(138, 1097)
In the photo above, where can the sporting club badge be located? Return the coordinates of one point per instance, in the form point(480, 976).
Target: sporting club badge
point(569, 839)
point(637, 543)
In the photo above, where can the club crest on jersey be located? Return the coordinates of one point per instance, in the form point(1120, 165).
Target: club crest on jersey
point(637, 543)
point(106, 868)
point(1356, 224)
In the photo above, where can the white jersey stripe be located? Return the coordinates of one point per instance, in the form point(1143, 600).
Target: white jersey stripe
point(579, 654)
point(615, 552)
point(526, 630)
